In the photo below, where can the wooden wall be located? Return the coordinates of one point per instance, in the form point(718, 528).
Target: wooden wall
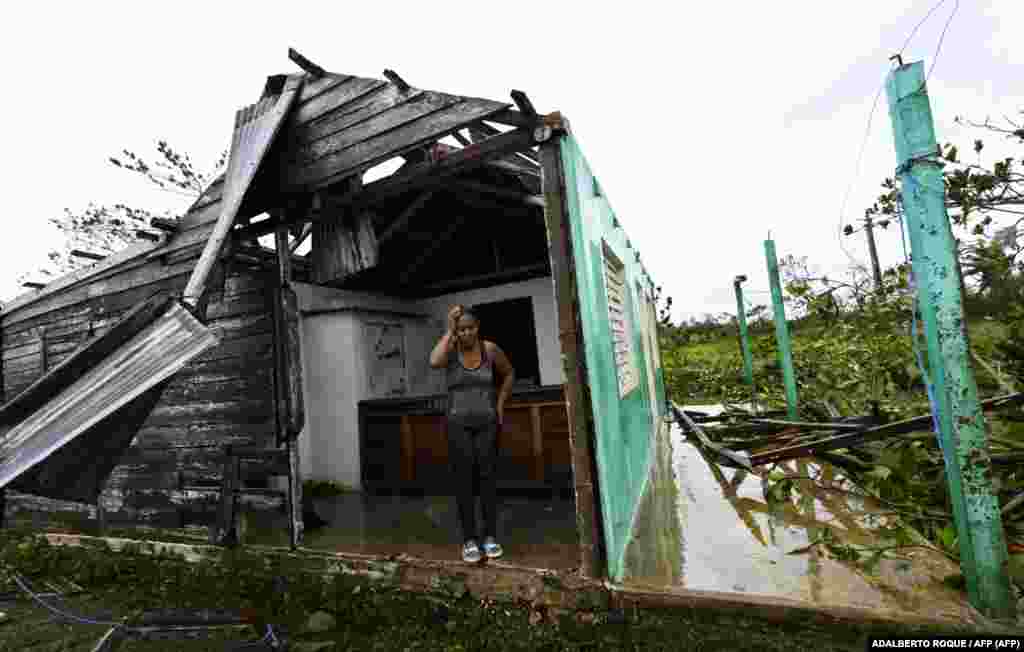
point(223, 396)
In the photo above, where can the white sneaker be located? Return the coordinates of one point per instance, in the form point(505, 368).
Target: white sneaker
point(492, 548)
point(470, 552)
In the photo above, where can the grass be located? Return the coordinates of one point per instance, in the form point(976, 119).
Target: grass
point(360, 615)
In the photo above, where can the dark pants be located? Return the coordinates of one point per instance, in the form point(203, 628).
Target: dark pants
point(473, 451)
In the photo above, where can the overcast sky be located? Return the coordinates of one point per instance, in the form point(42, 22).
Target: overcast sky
point(707, 124)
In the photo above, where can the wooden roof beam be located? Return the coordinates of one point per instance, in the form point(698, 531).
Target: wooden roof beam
point(314, 70)
point(512, 118)
point(402, 220)
point(493, 277)
point(397, 81)
point(488, 189)
point(482, 131)
point(525, 105)
point(78, 253)
point(422, 176)
point(164, 224)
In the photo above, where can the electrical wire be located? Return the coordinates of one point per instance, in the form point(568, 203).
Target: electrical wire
point(59, 612)
point(942, 37)
point(874, 106)
point(269, 638)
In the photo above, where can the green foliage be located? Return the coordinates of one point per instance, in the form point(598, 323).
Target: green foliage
point(324, 488)
point(354, 613)
point(103, 229)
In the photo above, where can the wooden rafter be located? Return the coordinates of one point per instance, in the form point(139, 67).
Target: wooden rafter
point(402, 220)
point(497, 191)
point(78, 253)
point(314, 70)
point(423, 175)
point(493, 277)
point(482, 131)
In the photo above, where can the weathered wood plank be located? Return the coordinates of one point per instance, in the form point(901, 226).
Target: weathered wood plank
point(240, 304)
point(98, 349)
point(251, 411)
point(254, 347)
point(12, 308)
point(210, 432)
point(387, 118)
point(235, 389)
point(337, 95)
point(194, 228)
point(364, 155)
point(30, 348)
point(147, 275)
point(313, 88)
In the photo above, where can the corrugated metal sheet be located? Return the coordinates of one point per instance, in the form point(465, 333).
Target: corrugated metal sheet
point(255, 129)
point(117, 391)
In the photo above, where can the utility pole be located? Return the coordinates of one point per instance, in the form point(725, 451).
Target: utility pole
point(781, 330)
point(869, 227)
point(748, 359)
point(962, 429)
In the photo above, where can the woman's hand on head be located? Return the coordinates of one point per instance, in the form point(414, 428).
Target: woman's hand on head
point(453, 318)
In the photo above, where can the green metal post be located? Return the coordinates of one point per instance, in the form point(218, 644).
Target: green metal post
point(748, 359)
point(781, 330)
point(983, 554)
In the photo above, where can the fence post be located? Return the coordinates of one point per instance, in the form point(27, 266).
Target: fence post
point(781, 330)
point(963, 436)
point(748, 361)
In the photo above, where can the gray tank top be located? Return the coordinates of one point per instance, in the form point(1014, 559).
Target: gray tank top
point(471, 395)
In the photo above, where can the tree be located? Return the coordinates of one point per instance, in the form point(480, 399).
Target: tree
point(103, 230)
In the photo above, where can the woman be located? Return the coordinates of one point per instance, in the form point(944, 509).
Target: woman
point(475, 413)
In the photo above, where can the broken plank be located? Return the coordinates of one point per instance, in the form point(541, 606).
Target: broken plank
point(866, 435)
point(743, 461)
point(328, 101)
point(455, 163)
point(372, 103)
point(394, 116)
point(13, 307)
point(426, 129)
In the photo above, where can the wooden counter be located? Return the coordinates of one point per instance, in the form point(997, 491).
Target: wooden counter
point(404, 443)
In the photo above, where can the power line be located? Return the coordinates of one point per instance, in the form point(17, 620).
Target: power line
point(874, 106)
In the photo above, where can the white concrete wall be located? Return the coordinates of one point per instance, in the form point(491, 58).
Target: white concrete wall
point(334, 381)
point(545, 314)
point(335, 360)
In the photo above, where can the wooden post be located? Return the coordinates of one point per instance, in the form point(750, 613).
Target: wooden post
point(570, 335)
point(407, 446)
point(538, 444)
point(283, 386)
point(963, 435)
point(782, 340)
point(748, 358)
point(876, 269)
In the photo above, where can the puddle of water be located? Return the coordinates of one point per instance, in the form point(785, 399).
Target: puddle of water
point(730, 540)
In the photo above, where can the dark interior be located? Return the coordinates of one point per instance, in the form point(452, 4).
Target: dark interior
point(510, 324)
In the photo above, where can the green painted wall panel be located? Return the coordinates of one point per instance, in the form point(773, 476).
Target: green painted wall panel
point(626, 414)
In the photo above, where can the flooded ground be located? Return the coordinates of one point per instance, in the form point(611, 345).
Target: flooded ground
point(534, 532)
point(728, 539)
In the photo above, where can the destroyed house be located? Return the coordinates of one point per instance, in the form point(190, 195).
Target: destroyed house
point(280, 330)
